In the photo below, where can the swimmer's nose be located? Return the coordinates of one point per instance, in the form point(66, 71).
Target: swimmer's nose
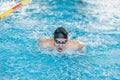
point(60, 45)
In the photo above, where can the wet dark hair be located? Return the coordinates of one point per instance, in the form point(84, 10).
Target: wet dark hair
point(60, 32)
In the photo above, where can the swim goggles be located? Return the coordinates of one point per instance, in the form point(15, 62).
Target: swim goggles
point(59, 42)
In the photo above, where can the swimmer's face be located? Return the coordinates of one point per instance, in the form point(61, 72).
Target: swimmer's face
point(60, 44)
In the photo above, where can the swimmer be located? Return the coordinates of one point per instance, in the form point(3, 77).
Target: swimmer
point(60, 42)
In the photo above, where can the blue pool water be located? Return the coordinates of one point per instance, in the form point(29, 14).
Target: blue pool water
point(94, 22)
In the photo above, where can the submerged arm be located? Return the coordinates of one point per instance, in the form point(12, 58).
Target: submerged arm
point(81, 47)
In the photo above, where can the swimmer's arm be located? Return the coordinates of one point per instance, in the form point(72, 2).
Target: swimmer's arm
point(81, 48)
point(46, 43)
point(43, 42)
point(77, 45)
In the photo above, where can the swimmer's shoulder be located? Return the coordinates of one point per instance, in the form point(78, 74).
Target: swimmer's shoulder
point(45, 39)
point(73, 42)
point(76, 45)
point(46, 42)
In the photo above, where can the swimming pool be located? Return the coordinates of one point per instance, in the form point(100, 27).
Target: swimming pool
point(96, 23)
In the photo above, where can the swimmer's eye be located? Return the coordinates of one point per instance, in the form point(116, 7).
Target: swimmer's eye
point(59, 42)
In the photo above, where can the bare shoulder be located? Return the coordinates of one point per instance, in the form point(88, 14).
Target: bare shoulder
point(45, 39)
point(76, 45)
point(45, 42)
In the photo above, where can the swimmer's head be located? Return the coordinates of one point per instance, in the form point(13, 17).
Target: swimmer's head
point(60, 32)
point(60, 37)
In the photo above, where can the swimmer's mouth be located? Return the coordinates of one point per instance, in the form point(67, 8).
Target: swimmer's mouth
point(60, 49)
